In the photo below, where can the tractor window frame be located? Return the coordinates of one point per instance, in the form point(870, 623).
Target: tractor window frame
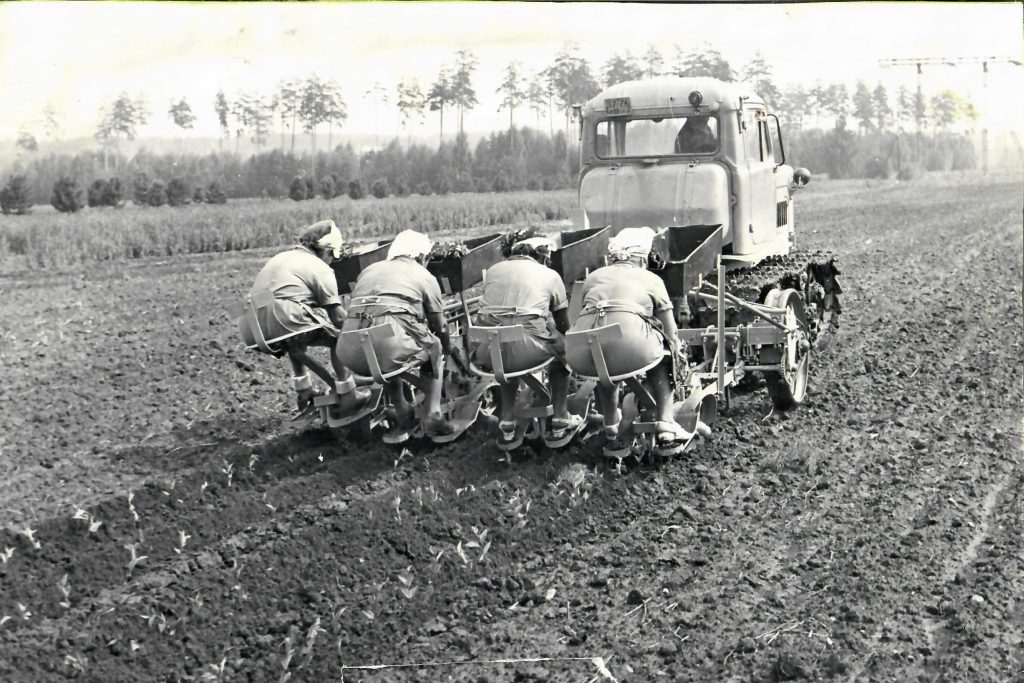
point(763, 148)
point(615, 126)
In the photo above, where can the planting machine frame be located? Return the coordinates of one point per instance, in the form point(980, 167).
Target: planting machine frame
point(746, 299)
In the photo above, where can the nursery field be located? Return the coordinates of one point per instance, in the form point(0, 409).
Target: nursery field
point(46, 238)
point(163, 520)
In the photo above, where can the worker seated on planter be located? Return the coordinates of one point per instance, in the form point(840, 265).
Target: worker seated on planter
point(294, 304)
point(625, 292)
point(523, 290)
point(402, 292)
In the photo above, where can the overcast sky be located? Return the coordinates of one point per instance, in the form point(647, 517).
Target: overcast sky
point(79, 56)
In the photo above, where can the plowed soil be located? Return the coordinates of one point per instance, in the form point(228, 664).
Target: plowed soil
point(164, 521)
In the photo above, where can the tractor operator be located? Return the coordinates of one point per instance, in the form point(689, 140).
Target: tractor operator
point(625, 292)
point(402, 292)
point(294, 304)
point(695, 136)
point(523, 290)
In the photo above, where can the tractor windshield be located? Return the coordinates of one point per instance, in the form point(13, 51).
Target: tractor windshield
point(656, 137)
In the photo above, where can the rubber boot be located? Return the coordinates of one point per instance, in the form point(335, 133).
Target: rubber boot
point(351, 399)
point(434, 423)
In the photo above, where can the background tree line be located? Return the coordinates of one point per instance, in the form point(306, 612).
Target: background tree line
point(869, 133)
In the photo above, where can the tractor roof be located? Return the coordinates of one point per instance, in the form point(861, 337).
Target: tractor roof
point(667, 92)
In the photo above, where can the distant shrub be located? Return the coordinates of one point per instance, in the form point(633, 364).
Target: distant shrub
point(910, 171)
point(14, 198)
point(178, 192)
point(215, 194)
point(310, 188)
point(198, 196)
point(875, 168)
point(464, 183)
point(380, 188)
point(356, 189)
point(297, 190)
point(327, 190)
point(94, 195)
point(442, 185)
point(424, 189)
point(157, 194)
point(113, 193)
point(67, 196)
point(402, 186)
point(140, 189)
point(340, 184)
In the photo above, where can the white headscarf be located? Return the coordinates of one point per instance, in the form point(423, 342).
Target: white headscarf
point(332, 240)
point(536, 243)
point(630, 243)
point(410, 243)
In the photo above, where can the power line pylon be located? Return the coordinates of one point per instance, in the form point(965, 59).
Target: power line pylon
point(920, 62)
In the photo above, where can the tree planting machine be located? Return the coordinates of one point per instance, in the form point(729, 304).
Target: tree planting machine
point(702, 162)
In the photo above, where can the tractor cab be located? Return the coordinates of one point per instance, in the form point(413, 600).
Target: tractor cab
point(677, 152)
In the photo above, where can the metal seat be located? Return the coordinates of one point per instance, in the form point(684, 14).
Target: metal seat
point(496, 337)
point(250, 311)
point(365, 339)
point(595, 338)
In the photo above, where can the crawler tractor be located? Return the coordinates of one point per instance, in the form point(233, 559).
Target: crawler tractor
point(703, 163)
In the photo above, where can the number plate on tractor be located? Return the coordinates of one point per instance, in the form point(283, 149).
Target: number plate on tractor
point(617, 106)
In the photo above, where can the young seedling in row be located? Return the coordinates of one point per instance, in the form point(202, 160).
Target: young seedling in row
point(286, 660)
point(23, 612)
point(462, 554)
point(170, 487)
point(135, 559)
point(82, 514)
point(4, 619)
point(520, 507)
point(406, 453)
point(131, 506)
point(253, 459)
point(602, 671)
point(203, 487)
point(406, 579)
point(7, 554)
point(216, 673)
point(65, 591)
point(229, 470)
point(182, 540)
point(436, 556)
point(397, 504)
point(30, 534)
point(76, 662)
point(311, 635)
point(481, 536)
point(157, 621)
point(480, 542)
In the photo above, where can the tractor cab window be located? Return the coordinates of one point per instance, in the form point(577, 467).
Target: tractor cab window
point(656, 137)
